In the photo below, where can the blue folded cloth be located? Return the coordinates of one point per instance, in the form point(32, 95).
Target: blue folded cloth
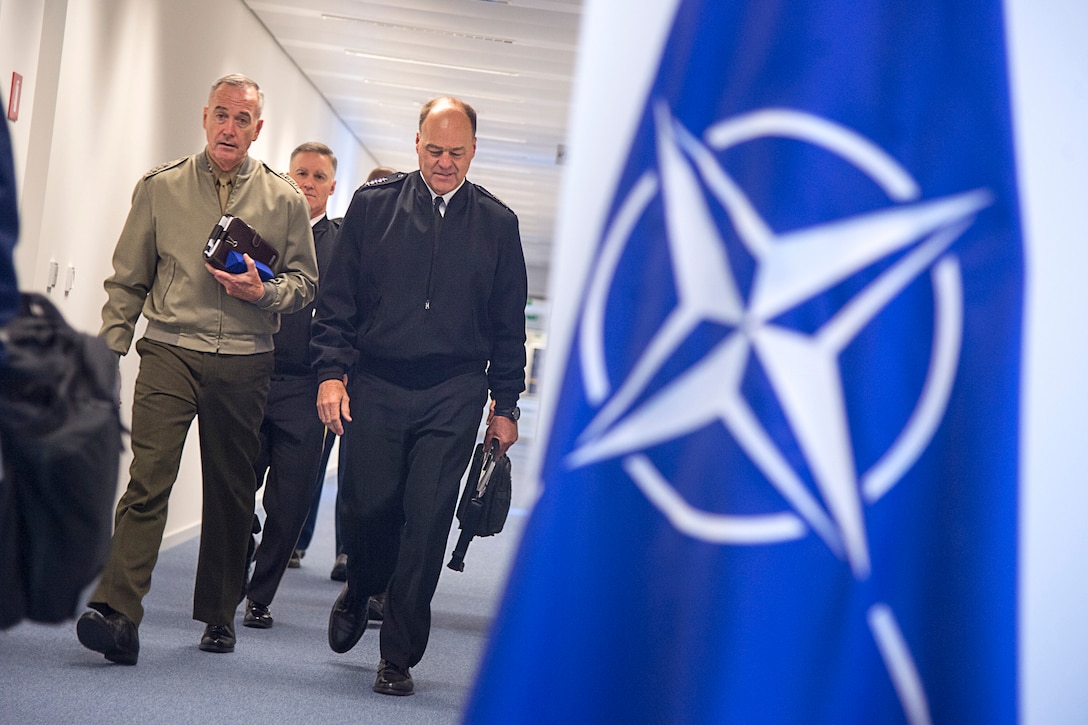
point(236, 264)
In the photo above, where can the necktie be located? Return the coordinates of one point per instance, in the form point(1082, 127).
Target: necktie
point(439, 202)
point(224, 194)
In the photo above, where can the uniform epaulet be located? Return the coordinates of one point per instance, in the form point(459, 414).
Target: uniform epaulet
point(496, 199)
point(282, 175)
point(163, 167)
point(383, 180)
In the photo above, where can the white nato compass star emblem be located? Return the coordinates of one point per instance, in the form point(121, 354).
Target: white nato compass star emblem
point(803, 368)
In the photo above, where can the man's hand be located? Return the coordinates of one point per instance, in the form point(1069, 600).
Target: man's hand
point(244, 285)
point(333, 405)
point(502, 429)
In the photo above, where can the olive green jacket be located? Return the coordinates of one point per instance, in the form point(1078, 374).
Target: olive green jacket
point(158, 265)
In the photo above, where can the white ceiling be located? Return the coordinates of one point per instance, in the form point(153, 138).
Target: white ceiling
point(378, 61)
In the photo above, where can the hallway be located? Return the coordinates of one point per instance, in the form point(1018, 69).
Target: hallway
point(286, 674)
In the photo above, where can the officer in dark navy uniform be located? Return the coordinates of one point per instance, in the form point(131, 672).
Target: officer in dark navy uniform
point(291, 435)
point(340, 565)
point(424, 312)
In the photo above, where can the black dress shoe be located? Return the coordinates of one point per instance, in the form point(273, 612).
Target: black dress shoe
point(347, 621)
point(218, 638)
point(257, 616)
point(392, 680)
point(340, 569)
point(376, 607)
point(114, 635)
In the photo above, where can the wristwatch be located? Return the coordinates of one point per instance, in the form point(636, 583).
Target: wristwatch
point(513, 414)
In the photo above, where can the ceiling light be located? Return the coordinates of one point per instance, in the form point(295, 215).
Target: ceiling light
point(411, 61)
point(504, 139)
point(489, 96)
point(418, 29)
point(429, 92)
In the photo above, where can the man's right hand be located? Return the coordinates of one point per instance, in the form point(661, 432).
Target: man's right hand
point(333, 405)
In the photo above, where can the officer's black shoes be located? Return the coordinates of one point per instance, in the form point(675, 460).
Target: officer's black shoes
point(257, 616)
point(114, 635)
point(347, 621)
point(340, 569)
point(392, 680)
point(376, 607)
point(218, 638)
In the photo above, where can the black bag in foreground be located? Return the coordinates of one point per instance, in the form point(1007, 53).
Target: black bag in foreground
point(485, 502)
point(60, 440)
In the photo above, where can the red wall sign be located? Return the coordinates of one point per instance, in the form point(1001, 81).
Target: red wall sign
point(16, 94)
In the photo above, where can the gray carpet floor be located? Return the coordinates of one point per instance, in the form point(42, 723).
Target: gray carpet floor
point(286, 674)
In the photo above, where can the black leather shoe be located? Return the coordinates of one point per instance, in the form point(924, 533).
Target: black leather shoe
point(114, 635)
point(347, 621)
point(340, 569)
point(376, 607)
point(218, 638)
point(257, 616)
point(393, 680)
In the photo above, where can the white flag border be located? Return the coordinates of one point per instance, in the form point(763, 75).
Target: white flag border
point(618, 56)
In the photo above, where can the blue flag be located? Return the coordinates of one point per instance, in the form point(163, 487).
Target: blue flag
point(780, 481)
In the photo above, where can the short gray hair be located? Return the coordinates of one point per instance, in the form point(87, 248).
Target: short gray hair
point(315, 147)
point(240, 81)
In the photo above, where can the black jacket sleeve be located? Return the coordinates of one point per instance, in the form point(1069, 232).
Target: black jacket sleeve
point(332, 341)
point(506, 371)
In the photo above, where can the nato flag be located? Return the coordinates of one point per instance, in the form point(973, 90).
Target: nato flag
point(780, 480)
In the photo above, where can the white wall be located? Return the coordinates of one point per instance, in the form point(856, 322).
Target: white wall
point(111, 89)
point(1049, 58)
point(20, 34)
